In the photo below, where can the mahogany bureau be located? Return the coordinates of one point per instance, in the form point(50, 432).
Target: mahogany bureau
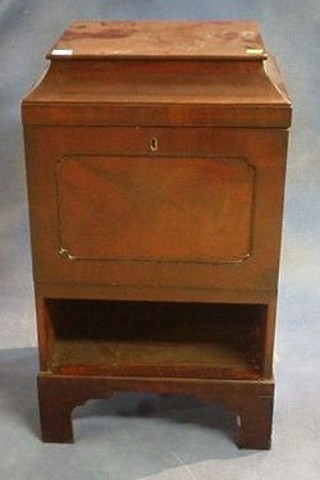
point(156, 156)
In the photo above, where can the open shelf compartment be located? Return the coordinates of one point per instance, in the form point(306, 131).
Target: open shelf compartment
point(156, 339)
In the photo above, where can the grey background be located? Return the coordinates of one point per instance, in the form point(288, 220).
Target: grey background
point(145, 436)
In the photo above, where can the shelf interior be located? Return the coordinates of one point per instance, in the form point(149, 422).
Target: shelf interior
point(134, 338)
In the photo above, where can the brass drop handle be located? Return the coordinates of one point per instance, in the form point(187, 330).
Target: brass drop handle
point(153, 144)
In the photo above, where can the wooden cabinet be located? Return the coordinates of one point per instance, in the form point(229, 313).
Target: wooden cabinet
point(156, 157)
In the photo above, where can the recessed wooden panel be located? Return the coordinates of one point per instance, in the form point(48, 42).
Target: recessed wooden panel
point(155, 208)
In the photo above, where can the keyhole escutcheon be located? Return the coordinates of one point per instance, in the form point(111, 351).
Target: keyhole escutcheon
point(153, 144)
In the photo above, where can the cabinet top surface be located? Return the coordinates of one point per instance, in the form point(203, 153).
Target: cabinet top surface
point(160, 39)
point(160, 72)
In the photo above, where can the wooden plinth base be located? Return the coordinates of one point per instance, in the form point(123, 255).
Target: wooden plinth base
point(251, 400)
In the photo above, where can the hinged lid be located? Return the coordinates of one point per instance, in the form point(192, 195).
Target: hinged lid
point(160, 73)
point(169, 40)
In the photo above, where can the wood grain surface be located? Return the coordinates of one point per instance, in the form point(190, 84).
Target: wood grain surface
point(156, 39)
